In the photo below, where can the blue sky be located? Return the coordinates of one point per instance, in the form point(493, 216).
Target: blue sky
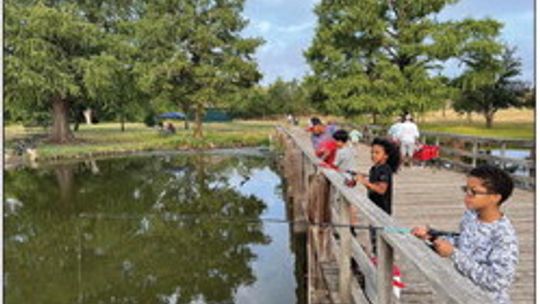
point(288, 26)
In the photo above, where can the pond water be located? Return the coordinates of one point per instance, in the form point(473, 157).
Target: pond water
point(514, 153)
point(150, 229)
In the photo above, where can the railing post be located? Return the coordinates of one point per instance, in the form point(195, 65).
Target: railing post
point(475, 152)
point(345, 251)
point(437, 141)
point(532, 168)
point(503, 154)
point(385, 260)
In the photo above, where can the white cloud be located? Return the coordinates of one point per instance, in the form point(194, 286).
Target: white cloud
point(262, 26)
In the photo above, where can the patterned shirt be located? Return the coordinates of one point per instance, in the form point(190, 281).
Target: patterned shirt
point(486, 253)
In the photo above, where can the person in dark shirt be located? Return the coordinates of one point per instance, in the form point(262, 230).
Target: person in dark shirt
point(386, 158)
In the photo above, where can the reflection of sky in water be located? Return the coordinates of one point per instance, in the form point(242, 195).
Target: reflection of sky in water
point(274, 266)
point(519, 154)
point(135, 195)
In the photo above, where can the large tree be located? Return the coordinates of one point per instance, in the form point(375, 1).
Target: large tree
point(64, 54)
point(43, 50)
point(192, 53)
point(380, 56)
point(488, 83)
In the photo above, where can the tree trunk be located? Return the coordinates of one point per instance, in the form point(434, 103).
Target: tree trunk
point(198, 121)
point(60, 130)
point(489, 119)
point(88, 116)
point(469, 117)
point(374, 117)
point(122, 122)
point(185, 109)
point(64, 177)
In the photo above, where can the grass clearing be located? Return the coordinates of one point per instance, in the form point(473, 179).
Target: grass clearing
point(108, 138)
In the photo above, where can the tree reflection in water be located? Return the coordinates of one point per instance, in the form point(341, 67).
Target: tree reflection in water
point(128, 248)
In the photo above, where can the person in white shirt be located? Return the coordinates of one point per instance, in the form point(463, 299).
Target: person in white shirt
point(408, 136)
point(394, 129)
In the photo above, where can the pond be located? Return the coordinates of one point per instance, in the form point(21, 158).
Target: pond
point(164, 228)
point(513, 153)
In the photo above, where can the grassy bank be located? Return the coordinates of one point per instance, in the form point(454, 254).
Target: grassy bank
point(106, 138)
point(516, 130)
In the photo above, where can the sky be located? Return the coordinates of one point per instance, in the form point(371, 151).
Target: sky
point(288, 27)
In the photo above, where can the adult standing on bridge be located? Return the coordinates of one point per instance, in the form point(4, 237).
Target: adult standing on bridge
point(319, 132)
point(408, 137)
point(394, 129)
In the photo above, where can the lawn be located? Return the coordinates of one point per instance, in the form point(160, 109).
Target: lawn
point(106, 138)
point(518, 130)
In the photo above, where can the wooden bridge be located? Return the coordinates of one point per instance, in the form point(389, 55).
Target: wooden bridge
point(421, 196)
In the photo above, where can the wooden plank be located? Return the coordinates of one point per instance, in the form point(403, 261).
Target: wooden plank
point(409, 180)
point(385, 260)
point(344, 260)
point(368, 269)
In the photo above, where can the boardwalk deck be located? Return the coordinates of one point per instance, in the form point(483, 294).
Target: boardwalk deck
point(432, 196)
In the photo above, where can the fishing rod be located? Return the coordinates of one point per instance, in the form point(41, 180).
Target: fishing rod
point(246, 220)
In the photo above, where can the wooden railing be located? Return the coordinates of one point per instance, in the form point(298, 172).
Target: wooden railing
point(320, 196)
point(464, 152)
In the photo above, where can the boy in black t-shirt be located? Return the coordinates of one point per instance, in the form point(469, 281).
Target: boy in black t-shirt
point(386, 158)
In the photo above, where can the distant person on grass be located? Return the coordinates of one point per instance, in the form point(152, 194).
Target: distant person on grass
point(486, 249)
point(386, 159)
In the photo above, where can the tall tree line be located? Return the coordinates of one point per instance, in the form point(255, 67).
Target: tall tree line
point(386, 56)
point(120, 55)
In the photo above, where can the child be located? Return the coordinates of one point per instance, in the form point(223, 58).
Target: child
point(386, 159)
point(327, 150)
point(486, 250)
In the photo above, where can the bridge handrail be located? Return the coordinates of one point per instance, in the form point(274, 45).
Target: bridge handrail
point(439, 272)
point(474, 153)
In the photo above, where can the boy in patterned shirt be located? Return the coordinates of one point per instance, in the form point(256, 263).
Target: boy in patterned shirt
point(486, 250)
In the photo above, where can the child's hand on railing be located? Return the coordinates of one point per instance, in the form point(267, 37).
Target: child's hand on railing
point(421, 232)
point(443, 247)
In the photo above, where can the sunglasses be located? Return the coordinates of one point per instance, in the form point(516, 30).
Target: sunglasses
point(471, 192)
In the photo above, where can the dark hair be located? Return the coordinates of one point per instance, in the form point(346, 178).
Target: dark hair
point(394, 157)
point(495, 180)
point(315, 121)
point(341, 135)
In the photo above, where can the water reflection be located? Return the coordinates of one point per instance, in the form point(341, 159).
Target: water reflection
point(138, 230)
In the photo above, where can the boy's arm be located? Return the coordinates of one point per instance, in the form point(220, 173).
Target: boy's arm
point(495, 276)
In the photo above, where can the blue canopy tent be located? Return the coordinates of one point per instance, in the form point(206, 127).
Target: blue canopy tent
point(172, 115)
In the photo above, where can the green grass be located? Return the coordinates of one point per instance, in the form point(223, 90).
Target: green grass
point(107, 138)
point(515, 130)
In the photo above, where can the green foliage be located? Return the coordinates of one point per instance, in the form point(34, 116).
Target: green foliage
point(124, 58)
point(488, 83)
point(192, 53)
point(383, 57)
point(281, 97)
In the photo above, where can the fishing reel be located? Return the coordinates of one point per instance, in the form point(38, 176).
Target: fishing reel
point(435, 234)
point(350, 178)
